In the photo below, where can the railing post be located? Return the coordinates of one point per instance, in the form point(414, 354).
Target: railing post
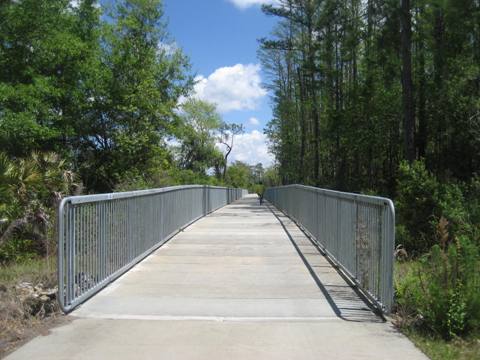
point(204, 200)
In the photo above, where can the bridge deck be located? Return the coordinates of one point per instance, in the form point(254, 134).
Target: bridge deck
point(241, 283)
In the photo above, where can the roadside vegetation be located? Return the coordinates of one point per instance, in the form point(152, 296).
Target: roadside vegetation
point(28, 306)
point(383, 98)
point(373, 97)
point(438, 283)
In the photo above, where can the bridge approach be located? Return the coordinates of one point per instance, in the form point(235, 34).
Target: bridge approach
point(243, 282)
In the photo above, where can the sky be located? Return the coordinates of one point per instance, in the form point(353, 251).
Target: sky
point(220, 38)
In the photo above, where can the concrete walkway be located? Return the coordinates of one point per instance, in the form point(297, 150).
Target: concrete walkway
point(241, 283)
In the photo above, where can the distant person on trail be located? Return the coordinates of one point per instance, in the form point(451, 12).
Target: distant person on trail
point(260, 190)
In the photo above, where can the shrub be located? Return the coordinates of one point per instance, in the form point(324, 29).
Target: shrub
point(421, 201)
point(443, 290)
point(18, 250)
point(451, 204)
point(416, 203)
point(472, 194)
point(30, 189)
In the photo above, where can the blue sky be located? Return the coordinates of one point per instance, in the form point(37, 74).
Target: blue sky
point(220, 38)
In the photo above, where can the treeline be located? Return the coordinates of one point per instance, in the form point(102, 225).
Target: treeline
point(100, 89)
point(107, 90)
point(93, 100)
point(360, 86)
point(383, 97)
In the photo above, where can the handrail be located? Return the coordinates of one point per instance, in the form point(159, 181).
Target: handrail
point(102, 236)
point(356, 231)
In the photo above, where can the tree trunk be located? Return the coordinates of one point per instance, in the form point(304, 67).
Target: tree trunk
point(303, 134)
point(422, 116)
point(407, 85)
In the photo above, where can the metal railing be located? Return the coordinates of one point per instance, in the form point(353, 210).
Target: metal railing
point(356, 231)
point(100, 237)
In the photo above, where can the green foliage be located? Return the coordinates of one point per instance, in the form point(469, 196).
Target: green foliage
point(102, 92)
point(437, 348)
point(421, 201)
point(33, 271)
point(30, 189)
point(18, 250)
point(271, 177)
point(338, 116)
point(416, 204)
point(442, 291)
point(239, 175)
point(42, 56)
point(197, 133)
point(189, 177)
point(171, 176)
point(136, 85)
point(472, 194)
point(201, 133)
point(93, 91)
point(258, 189)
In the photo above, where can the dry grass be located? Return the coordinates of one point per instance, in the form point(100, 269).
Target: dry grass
point(18, 321)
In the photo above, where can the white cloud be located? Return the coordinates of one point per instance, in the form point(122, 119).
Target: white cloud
point(253, 121)
point(243, 4)
point(251, 148)
point(235, 87)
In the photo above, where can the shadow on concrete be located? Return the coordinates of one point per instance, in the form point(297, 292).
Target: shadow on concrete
point(345, 299)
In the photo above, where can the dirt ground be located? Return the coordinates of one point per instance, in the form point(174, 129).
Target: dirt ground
point(13, 337)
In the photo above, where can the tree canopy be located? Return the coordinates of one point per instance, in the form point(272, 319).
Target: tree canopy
point(359, 86)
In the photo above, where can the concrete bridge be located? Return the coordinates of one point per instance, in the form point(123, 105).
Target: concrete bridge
point(243, 282)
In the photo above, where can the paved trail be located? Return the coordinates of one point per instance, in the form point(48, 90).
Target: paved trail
point(241, 283)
